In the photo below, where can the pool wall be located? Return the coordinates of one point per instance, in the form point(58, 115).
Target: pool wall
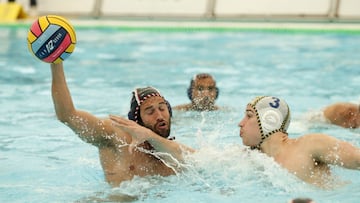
point(333, 10)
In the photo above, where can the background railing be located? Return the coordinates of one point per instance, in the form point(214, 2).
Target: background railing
point(202, 9)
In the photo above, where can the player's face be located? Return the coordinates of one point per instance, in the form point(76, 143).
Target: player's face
point(204, 92)
point(155, 115)
point(249, 128)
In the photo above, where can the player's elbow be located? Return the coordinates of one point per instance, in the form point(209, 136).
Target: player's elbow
point(64, 118)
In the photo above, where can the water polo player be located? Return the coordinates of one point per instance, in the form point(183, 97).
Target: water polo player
point(124, 154)
point(202, 93)
point(264, 127)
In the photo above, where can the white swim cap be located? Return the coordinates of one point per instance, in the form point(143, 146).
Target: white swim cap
point(272, 113)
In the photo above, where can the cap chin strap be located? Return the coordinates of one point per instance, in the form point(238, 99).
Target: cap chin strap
point(263, 137)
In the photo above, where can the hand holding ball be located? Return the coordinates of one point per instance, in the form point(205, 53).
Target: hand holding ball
point(51, 39)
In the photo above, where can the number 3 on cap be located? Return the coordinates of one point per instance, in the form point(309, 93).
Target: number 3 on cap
point(276, 103)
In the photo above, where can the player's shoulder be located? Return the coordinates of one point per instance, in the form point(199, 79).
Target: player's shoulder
point(182, 107)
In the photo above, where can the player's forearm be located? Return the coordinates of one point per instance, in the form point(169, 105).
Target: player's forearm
point(63, 104)
point(175, 149)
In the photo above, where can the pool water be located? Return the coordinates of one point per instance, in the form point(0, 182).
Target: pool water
point(42, 160)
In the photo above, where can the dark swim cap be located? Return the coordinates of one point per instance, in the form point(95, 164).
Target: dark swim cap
point(139, 96)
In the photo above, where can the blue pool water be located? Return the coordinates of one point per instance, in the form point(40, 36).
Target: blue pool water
point(41, 160)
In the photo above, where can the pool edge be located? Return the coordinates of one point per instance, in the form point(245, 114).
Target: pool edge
point(215, 26)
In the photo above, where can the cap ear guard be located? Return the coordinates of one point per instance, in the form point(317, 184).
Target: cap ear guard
point(270, 119)
point(189, 89)
point(134, 108)
point(217, 92)
point(169, 107)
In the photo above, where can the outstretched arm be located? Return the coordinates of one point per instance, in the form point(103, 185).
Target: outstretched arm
point(89, 128)
point(141, 134)
point(333, 151)
point(182, 107)
point(343, 114)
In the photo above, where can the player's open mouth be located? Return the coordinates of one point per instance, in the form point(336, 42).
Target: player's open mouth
point(161, 125)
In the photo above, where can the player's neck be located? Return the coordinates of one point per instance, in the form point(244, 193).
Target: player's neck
point(273, 144)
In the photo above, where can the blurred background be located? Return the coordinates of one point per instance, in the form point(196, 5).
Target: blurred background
point(234, 10)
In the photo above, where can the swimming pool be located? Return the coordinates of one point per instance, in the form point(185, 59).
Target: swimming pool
point(44, 161)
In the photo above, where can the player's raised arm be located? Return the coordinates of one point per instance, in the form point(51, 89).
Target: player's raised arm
point(87, 126)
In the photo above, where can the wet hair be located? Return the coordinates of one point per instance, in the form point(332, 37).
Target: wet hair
point(139, 96)
point(200, 76)
point(273, 115)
